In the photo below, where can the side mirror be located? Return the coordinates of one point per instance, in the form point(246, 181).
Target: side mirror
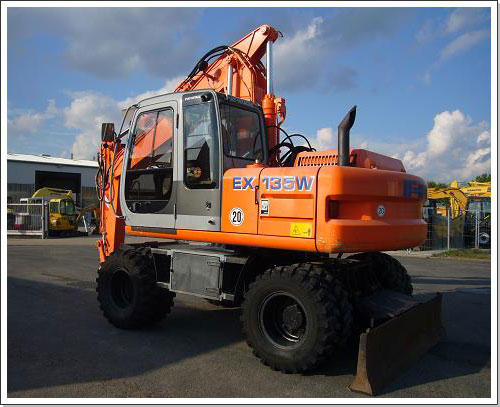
point(108, 132)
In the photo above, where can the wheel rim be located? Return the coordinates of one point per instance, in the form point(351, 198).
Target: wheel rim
point(122, 289)
point(283, 320)
point(484, 238)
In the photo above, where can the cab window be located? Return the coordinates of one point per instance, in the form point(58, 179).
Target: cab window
point(241, 136)
point(67, 208)
point(53, 207)
point(201, 156)
point(149, 178)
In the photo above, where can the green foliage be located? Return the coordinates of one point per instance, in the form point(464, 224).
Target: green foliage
point(483, 178)
point(466, 253)
point(434, 184)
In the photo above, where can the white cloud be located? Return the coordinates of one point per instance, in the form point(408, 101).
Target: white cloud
point(115, 42)
point(305, 53)
point(426, 32)
point(89, 109)
point(463, 43)
point(28, 123)
point(168, 87)
point(324, 140)
point(462, 17)
point(456, 21)
point(413, 161)
point(303, 57)
point(456, 148)
point(484, 137)
point(85, 114)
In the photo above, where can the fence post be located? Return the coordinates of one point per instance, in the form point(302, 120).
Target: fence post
point(84, 224)
point(44, 219)
point(476, 234)
point(449, 226)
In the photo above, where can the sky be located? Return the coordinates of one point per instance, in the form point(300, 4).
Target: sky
point(420, 77)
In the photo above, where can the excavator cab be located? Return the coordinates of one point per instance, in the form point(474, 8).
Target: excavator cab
point(178, 149)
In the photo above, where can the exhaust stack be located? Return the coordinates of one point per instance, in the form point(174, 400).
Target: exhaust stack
point(343, 137)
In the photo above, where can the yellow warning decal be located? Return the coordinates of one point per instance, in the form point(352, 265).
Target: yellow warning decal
point(301, 229)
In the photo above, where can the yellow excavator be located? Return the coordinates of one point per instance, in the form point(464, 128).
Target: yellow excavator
point(456, 200)
point(466, 199)
point(473, 188)
point(63, 216)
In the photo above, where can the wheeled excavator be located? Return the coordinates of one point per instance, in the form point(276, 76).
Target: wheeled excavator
point(240, 212)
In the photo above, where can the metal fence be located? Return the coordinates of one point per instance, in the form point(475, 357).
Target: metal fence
point(30, 219)
point(472, 229)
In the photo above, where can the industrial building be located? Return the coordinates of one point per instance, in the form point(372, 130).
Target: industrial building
point(28, 173)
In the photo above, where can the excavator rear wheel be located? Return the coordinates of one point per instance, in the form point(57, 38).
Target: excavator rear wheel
point(127, 290)
point(390, 273)
point(294, 318)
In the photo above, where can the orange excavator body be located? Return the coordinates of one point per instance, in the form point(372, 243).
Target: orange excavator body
point(314, 206)
point(316, 209)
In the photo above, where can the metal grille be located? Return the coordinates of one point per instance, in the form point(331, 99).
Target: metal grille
point(317, 160)
point(472, 229)
point(320, 158)
point(27, 219)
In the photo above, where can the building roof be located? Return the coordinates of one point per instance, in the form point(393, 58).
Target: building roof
point(43, 159)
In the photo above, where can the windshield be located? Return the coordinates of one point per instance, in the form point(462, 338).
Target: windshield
point(127, 116)
point(487, 206)
point(67, 208)
point(480, 205)
point(241, 135)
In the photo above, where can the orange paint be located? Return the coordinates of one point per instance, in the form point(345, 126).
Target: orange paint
point(357, 225)
point(315, 206)
point(240, 239)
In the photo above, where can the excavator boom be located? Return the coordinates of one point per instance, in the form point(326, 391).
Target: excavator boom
point(238, 71)
point(458, 200)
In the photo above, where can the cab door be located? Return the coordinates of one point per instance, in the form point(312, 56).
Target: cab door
point(149, 191)
point(198, 169)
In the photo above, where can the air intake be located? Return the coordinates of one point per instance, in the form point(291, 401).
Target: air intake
point(319, 158)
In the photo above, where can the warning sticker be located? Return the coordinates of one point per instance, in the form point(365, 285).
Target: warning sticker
point(301, 229)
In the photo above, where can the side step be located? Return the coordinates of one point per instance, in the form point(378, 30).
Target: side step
point(389, 348)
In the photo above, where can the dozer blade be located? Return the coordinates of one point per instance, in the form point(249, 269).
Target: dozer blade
point(388, 349)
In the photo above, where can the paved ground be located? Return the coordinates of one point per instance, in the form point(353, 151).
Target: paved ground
point(59, 345)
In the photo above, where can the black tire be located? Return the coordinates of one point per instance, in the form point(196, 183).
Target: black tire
point(294, 319)
point(127, 291)
point(390, 273)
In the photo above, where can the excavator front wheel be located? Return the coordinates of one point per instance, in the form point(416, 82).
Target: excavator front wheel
point(293, 319)
point(127, 290)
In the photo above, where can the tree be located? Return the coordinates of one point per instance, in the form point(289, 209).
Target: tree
point(434, 184)
point(483, 178)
